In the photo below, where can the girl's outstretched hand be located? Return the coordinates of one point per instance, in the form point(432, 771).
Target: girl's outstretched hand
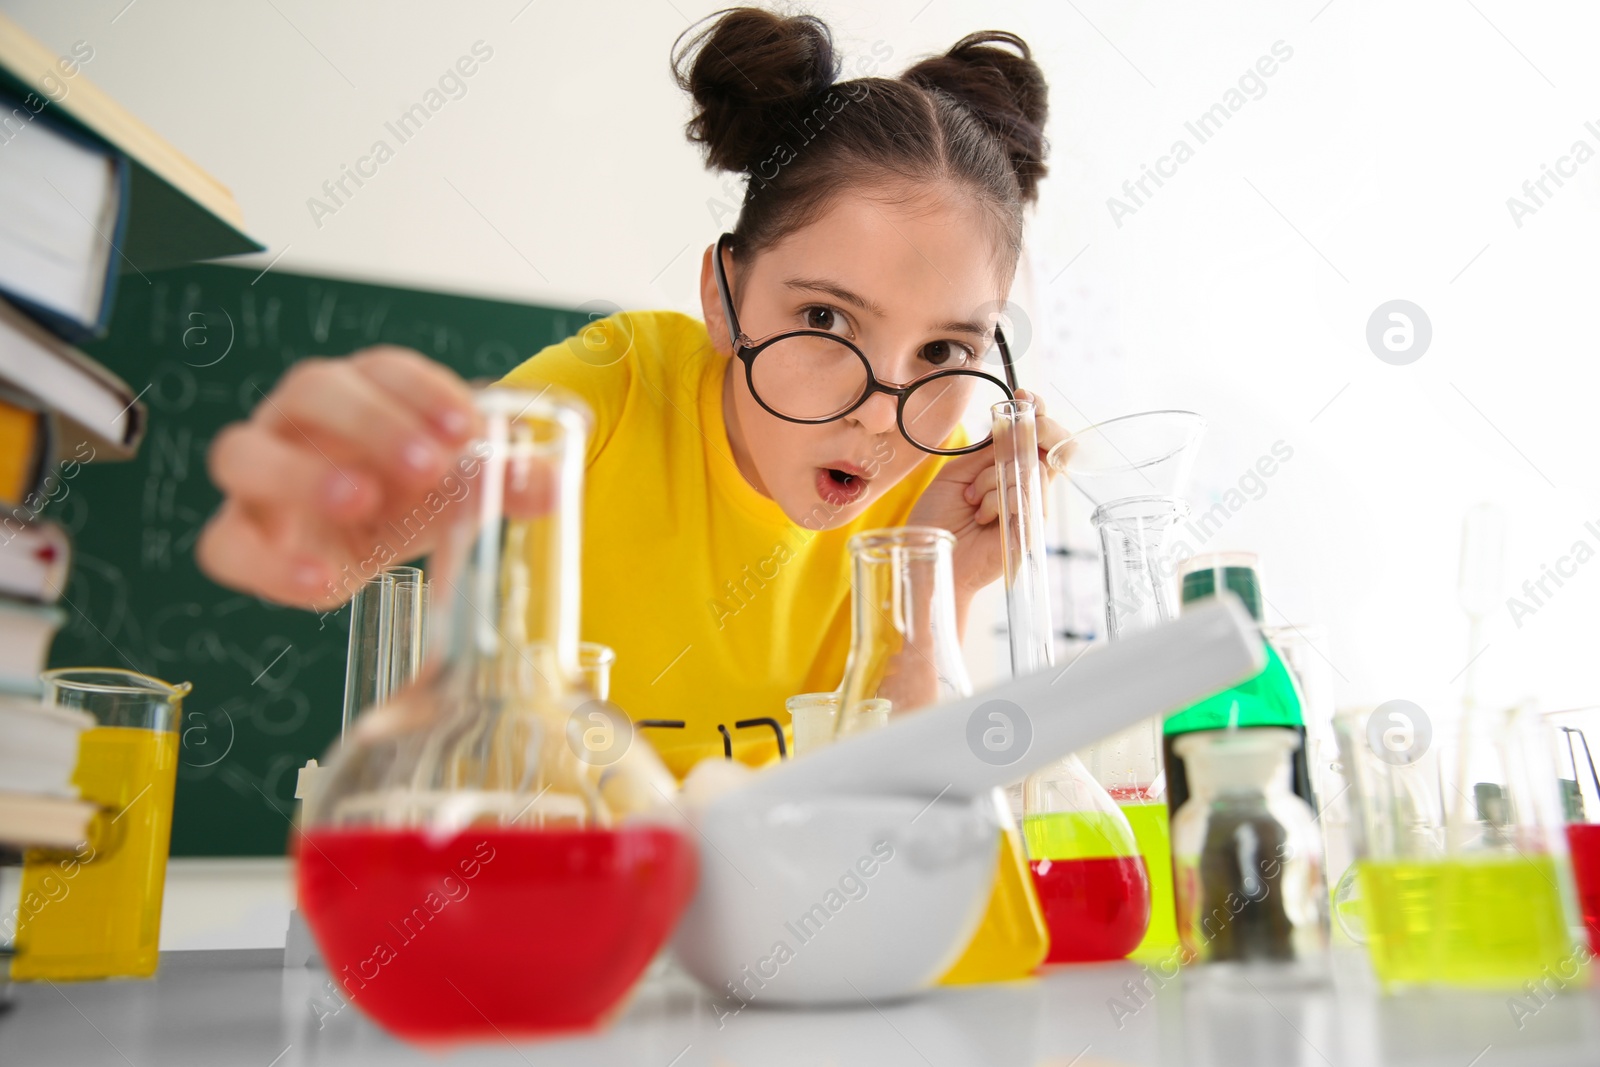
point(964, 498)
point(333, 470)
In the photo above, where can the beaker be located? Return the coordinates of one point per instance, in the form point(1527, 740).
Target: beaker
point(1301, 647)
point(1462, 862)
point(1576, 736)
point(1246, 857)
point(102, 916)
point(462, 802)
point(1093, 886)
point(813, 718)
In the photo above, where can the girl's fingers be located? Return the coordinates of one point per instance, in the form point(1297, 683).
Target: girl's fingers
point(1051, 434)
point(333, 402)
point(251, 464)
point(431, 390)
point(983, 483)
point(234, 550)
point(988, 508)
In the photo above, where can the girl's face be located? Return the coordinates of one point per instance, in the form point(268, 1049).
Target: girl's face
point(914, 285)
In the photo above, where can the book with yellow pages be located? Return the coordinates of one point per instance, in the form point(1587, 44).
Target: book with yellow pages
point(27, 447)
point(97, 407)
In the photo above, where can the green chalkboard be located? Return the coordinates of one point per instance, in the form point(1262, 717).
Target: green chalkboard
point(201, 344)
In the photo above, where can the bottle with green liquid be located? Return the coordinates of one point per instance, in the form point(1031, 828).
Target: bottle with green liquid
point(1268, 699)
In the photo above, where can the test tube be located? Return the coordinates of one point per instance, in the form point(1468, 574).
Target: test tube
point(405, 627)
point(366, 670)
point(387, 625)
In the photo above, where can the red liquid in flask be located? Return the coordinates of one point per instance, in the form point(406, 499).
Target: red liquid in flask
point(1583, 841)
point(1096, 909)
point(489, 932)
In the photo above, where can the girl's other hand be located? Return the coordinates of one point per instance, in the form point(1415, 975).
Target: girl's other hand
point(964, 498)
point(312, 479)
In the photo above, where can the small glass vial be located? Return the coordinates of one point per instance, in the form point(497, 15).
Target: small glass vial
point(815, 717)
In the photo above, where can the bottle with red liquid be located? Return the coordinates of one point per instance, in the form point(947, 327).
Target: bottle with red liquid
point(459, 865)
point(1093, 885)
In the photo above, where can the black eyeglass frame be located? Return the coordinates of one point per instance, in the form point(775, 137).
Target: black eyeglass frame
point(747, 349)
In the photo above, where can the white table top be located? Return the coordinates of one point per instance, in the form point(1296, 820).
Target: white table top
point(242, 1007)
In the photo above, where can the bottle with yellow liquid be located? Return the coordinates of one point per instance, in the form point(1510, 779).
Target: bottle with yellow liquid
point(905, 653)
point(98, 909)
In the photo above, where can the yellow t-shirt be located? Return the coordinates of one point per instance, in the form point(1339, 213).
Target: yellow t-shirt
point(718, 606)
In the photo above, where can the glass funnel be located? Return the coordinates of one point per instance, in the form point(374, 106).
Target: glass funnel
point(1092, 884)
point(1150, 453)
point(461, 872)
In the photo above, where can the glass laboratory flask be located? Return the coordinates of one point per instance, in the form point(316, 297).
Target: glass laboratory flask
point(1092, 884)
point(1247, 859)
point(1135, 470)
point(458, 833)
point(905, 650)
point(904, 644)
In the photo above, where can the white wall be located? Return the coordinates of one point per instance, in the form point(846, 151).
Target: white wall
point(1376, 166)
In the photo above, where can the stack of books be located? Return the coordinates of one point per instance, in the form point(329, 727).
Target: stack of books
point(39, 805)
point(89, 197)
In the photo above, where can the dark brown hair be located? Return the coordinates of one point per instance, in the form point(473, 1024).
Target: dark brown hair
point(767, 106)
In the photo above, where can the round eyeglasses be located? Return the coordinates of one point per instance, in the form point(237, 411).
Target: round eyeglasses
point(811, 376)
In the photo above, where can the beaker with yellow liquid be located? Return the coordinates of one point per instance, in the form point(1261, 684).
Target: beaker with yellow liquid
point(99, 913)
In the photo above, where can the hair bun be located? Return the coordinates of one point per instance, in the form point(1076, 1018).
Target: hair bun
point(1004, 88)
point(749, 70)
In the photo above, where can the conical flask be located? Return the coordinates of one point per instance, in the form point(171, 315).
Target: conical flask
point(458, 832)
point(905, 651)
point(904, 644)
point(1135, 469)
point(1090, 879)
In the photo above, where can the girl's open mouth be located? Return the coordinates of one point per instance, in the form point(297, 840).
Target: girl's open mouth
point(840, 485)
